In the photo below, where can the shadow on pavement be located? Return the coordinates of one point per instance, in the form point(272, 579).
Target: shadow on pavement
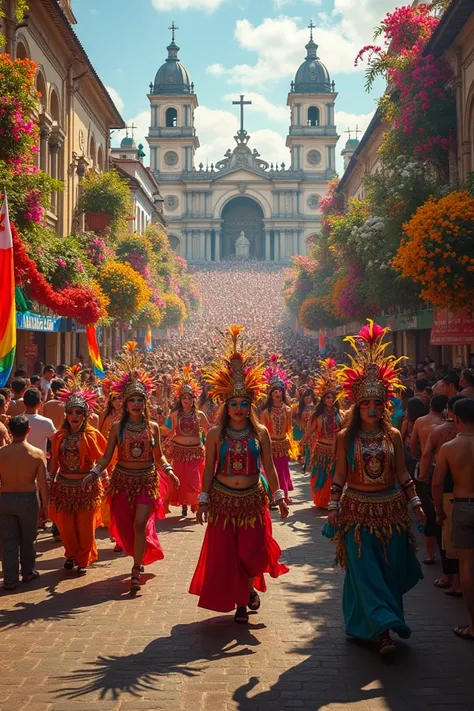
point(184, 651)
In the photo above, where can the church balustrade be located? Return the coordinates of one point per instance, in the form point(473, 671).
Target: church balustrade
point(172, 132)
point(299, 130)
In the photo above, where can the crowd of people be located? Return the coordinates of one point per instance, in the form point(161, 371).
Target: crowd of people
point(210, 422)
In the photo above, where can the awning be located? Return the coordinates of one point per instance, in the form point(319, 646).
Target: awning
point(452, 329)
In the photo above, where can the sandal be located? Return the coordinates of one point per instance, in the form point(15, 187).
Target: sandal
point(241, 615)
point(29, 578)
point(461, 632)
point(440, 583)
point(453, 593)
point(7, 587)
point(81, 570)
point(184, 511)
point(117, 548)
point(429, 561)
point(386, 645)
point(69, 564)
point(135, 581)
point(254, 600)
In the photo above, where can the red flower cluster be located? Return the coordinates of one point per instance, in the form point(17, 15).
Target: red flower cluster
point(77, 302)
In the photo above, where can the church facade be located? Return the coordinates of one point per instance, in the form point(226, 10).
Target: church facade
point(276, 206)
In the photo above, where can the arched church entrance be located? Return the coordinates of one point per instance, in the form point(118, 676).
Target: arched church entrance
point(242, 214)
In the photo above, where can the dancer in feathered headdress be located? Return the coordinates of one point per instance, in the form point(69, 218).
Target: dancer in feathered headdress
point(276, 416)
point(134, 490)
point(371, 514)
point(322, 431)
point(75, 496)
point(238, 547)
point(184, 447)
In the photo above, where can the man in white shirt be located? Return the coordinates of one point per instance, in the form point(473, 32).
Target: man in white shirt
point(41, 428)
point(45, 384)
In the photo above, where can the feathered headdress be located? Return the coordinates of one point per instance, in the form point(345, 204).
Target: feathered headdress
point(275, 376)
point(371, 373)
point(235, 373)
point(77, 392)
point(325, 381)
point(184, 382)
point(130, 376)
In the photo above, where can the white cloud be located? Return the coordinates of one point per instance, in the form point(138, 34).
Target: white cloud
point(279, 42)
point(215, 129)
point(116, 98)
point(167, 5)
point(261, 105)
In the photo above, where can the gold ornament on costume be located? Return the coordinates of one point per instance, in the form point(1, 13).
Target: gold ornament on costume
point(325, 381)
point(236, 373)
point(371, 374)
point(185, 382)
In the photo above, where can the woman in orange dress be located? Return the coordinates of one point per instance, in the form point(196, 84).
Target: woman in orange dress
point(75, 498)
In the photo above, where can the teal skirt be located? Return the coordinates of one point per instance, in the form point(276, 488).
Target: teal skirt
point(381, 566)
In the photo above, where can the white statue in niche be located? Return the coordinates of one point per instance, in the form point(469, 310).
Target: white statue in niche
point(242, 246)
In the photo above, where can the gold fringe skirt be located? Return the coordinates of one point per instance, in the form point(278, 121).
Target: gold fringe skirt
point(239, 507)
point(185, 452)
point(134, 482)
point(68, 494)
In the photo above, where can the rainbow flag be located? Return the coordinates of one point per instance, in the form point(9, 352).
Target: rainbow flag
point(94, 352)
point(7, 298)
point(148, 340)
point(181, 329)
point(322, 341)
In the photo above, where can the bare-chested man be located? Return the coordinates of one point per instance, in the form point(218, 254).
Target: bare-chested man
point(22, 472)
point(54, 408)
point(4, 433)
point(419, 437)
point(17, 406)
point(457, 458)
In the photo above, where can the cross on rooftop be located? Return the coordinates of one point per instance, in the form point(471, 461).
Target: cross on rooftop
point(311, 27)
point(242, 103)
point(173, 29)
point(131, 128)
point(357, 130)
point(349, 131)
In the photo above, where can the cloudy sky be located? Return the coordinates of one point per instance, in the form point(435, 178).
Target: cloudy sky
point(231, 47)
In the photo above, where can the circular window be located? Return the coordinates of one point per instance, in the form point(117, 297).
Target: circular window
point(314, 157)
point(171, 158)
point(171, 202)
point(171, 78)
point(313, 76)
point(313, 201)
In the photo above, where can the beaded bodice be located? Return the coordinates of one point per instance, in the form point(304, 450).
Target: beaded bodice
point(69, 456)
point(371, 459)
point(188, 425)
point(278, 422)
point(136, 443)
point(329, 424)
point(239, 453)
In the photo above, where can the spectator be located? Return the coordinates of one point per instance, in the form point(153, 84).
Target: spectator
point(467, 383)
point(41, 428)
point(48, 375)
point(17, 406)
point(4, 433)
point(54, 408)
point(449, 385)
point(421, 383)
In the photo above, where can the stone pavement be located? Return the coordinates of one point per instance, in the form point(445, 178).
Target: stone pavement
point(72, 644)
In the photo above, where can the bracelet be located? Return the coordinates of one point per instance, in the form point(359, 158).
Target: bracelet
point(167, 467)
point(334, 505)
point(415, 501)
point(203, 498)
point(336, 489)
point(408, 484)
point(96, 471)
point(279, 495)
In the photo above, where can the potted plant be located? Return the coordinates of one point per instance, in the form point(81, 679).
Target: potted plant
point(105, 199)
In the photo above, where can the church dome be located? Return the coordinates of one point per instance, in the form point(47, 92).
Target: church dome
point(352, 143)
point(128, 142)
point(172, 77)
point(312, 77)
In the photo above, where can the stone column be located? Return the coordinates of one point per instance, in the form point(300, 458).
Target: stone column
point(202, 250)
point(54, 164)
point(218, 245)
point(45, 133)
point(332, 157)
point(185, 244)
point(276, 241)
point(267, 245)
point(208, 245)
point(283, 245)
point(330, 114)
point(300, 242)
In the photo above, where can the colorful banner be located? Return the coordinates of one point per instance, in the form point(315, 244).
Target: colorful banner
point(29, 321)
point(148, 340)
point(322, 341)
point(94, 352)
point(452, 329)
point(7, 298)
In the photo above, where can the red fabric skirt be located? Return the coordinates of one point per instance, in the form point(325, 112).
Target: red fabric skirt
point(238, 545)
point(188, 465)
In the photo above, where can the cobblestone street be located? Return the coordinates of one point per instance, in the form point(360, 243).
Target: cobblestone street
point(70, 644)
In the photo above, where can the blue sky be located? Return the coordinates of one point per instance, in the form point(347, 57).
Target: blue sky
point(231, 47)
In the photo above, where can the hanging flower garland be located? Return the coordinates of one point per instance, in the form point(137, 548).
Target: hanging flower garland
point(77, 302)
point(438, 251)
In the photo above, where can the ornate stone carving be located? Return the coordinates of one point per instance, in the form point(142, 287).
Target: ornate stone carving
point(314, 157)
point(242, 188)
point(171, 158)
point(313, 201)
point(171, 202)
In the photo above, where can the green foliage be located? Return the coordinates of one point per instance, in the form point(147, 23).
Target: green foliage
point(175, 311)
point(105, 192)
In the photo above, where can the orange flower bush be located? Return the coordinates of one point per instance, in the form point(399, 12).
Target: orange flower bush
point(438, 251)
point(175, 311)
point(125, 288)
point(315, 313)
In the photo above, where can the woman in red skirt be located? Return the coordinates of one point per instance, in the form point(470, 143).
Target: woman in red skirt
point(238, 547)
point(184, 447)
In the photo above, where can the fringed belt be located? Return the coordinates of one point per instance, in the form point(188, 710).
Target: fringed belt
point(280, 448)
point(240, 507)
point(67, 493)
point(322, 454)
point(379, 513)
point(185, 452)
point(134, 482)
